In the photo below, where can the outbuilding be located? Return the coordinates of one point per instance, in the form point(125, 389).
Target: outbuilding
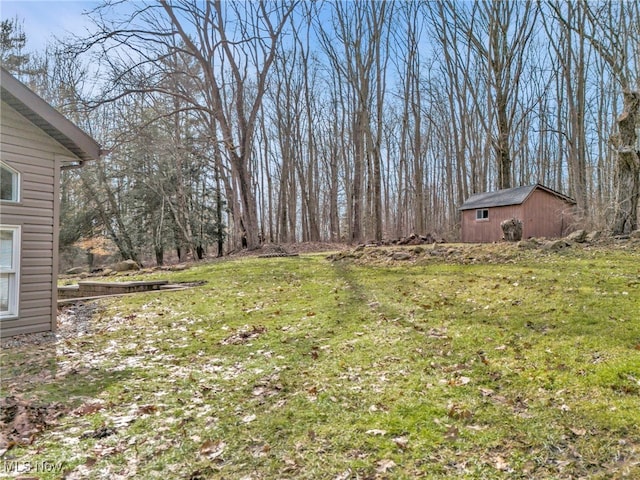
point(542, 211)
point(36, 143)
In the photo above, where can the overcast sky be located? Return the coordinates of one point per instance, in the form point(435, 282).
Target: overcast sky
point(45, 19)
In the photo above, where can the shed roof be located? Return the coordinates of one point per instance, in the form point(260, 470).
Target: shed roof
point(509, 196)
point(47, 118)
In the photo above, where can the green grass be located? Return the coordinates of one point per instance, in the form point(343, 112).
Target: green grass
point(504, 365)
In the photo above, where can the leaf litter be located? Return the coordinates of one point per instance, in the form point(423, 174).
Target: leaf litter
point(175, 384)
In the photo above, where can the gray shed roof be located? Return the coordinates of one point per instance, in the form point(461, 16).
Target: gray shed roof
point(47, 118)
point(509, 196)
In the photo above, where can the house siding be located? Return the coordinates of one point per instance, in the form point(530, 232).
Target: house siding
point(542, 213)
point(36, 156)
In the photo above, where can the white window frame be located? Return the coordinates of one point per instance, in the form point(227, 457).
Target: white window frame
point(13, 273)
point(16, 183)
point(480, 215)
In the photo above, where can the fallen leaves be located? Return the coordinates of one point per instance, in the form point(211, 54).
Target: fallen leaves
point(244, 335)
point(88, 408)
point(452, 433)
point(100, 432)
point(147, 409)
point(21, 420)
point(212, 449)
point(458, 411)
point(384, 466)
point(500, 464)
point(459, 381)
point(401, 442)
point(249, 418)
point(578, 432)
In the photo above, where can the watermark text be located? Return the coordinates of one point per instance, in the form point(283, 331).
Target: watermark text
point(23, 466)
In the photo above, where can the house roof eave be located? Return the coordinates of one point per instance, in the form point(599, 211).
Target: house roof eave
point(47, 118)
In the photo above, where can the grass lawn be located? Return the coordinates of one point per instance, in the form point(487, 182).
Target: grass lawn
point(498, 363)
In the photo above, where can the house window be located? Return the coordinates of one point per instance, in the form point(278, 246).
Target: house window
point(9, 184)
point(9, 270)
point(482, 214)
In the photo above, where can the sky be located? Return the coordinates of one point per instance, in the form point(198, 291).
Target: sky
point(45, 19)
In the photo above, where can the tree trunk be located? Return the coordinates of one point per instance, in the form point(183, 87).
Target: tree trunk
point(628, 171)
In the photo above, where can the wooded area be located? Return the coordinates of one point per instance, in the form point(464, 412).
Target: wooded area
point(233, 123)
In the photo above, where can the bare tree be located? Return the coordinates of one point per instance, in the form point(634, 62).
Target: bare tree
point(612, 30)
point(354, 49)
point(234, 44)
point(571, 54)
point(499, 34)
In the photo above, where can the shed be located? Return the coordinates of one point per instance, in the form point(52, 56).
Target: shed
point(543, 212)
point(36, 142)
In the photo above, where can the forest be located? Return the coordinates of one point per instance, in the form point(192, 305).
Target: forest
point(228, 124)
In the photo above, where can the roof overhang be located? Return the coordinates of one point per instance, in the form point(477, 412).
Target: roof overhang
point(48, 119)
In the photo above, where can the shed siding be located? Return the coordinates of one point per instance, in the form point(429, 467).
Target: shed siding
point(546, 215)
point(486, 231)
point(35, 155)
point(542, 213)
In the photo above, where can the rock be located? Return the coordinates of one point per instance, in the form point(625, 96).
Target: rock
point(400, 256)
point(271, 248)
point(415, 239)
point(556, 245)
point(528, 244)
point(178, 267)
point(593, 236)
point(76, 271)
point(125, 266)
point(107, 271)
point(408, 240)
point(428, 238)
point(579, 236)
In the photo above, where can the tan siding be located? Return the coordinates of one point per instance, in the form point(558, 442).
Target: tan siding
point(40, 195)
point(38, 259)
point(27, 163)
point(41, 323)
point(33, 298)
point(26, 141)
point(38, 216)
point(42, 278)
point(41, 228)
point(31, 236)
point(38, 314)
point(32, 246)
point(36, 287)
point(34, 154)
point(14, 215)
point(38, 302)
point(46, 205)
point(36, 274)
